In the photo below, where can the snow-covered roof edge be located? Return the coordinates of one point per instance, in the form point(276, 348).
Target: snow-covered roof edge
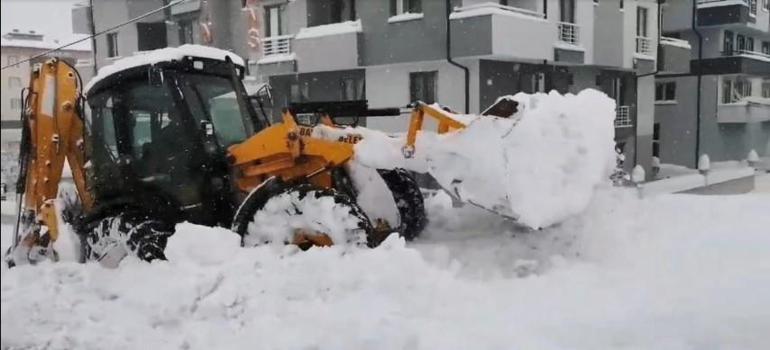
point(330, 29)
point(162, 55)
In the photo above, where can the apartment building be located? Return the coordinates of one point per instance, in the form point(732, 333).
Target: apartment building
point(18, 46)
point(729, 65)
point(393, 52)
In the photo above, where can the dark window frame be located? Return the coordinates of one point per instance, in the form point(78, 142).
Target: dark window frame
point(408, 6)
point(728, 42)
point(665, 91)
point(113, 47)
point(186, 31)
point(422, 85)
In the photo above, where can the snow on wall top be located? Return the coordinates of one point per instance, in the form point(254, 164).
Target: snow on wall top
point(330, 29)
point(162, 55)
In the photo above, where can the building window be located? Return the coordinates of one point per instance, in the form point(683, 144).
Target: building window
point(750, 44)
point(423, 86)
point(740, 40)
point(352, 89)
point(151, 36)
point(766, 89)
point(735, 89)
point(12, 59)
point(537, 82)
point(14, 82)
point(766, 5)
point(665, 91)
point(727, 43)
point(753, 7)
point(112, 45)
point(567, 11)
point(185, 32)
point(766, 46)
point(273, 21)
point(398, 7)
point(641, 21)
point(329, 11)
point(15, 103)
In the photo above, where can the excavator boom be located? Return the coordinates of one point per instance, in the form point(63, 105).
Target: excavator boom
point(52, 133)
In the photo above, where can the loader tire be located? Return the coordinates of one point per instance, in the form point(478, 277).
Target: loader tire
point(409, 201)
point(113, 237)
point(290, 207)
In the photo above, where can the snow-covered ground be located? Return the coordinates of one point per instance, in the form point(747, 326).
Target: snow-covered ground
point(668, 272)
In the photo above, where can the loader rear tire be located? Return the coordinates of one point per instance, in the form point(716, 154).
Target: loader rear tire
point(113, 237)
point(275, 211)
point(409, 201)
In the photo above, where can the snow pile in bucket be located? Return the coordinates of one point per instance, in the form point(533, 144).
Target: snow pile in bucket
point(540, 166)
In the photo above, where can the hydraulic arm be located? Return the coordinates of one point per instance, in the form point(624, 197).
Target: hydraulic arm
point(52, 132)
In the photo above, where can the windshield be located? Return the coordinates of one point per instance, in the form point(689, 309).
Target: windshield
point(213, 98)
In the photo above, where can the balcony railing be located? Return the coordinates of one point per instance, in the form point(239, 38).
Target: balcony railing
point(569, 33)
point(623, 117)
point(745, 53)
point(277, 45)
point(709, 3)
point(643, 45)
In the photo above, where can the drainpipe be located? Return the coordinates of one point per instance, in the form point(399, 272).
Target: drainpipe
point(452, 62)
point(694, 25)
point(93, 35)
point(654, 72)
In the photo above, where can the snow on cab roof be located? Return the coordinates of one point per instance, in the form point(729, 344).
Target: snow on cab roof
point(162, 55)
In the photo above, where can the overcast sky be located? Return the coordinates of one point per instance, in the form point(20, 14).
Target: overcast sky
point(51, 17)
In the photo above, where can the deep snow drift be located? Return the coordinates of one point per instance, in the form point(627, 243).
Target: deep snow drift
point(672, 272)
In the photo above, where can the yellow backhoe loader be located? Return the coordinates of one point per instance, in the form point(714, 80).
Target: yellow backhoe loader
point(174, 136)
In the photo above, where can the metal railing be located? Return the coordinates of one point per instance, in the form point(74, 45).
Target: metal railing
point(643, 45)
point(569, 33)
point(277, 45)
point(623, 117)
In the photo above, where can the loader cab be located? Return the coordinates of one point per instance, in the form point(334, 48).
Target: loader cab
point(158, 135)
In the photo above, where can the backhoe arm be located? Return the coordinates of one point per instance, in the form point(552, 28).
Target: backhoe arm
point(52, 133)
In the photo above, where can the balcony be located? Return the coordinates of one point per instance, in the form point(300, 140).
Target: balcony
point(720, 12)
point(623, 117)
point(734, 62)
point(327, 47)
point(748, 110)
point(488, 29)
point(277, 56)
point(674, 55)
